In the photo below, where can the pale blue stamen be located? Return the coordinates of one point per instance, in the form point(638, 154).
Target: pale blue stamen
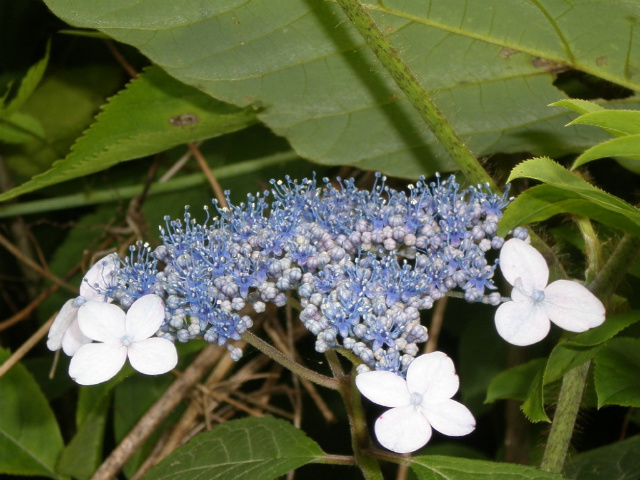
point(126, 340)
point(415, 399)
point(537, 295)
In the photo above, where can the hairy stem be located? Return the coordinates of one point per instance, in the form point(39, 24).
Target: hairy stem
point(360, 438)
point(288, 363)
point(573, 383)
point(417, 95)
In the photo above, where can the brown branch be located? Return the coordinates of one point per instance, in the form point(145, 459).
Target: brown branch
point(33, 265)
point(26, 347)
point(217, 189)
point(158, 412)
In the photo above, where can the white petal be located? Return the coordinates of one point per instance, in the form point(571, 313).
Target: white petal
point(449, 418)
point(145, 317)
point(572, 307)
point(68, 313)
point(403, 429)
point(522, 323)
point(100, 275)
point(97, 362)
point(153, 356)
point(73, 339)
point(101, 321)
point(384, 388)
point(518, 259)
point(433, 375)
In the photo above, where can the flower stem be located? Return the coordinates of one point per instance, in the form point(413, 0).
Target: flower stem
point(360, 438)
point(291, 365)
point(417, 95)
point(573, 383)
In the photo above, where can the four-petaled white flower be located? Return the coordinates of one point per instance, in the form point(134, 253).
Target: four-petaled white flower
point(420, 403)
point(64, 331)
point(122, 335)
point(526, 319)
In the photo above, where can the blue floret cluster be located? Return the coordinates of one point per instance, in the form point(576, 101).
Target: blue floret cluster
point(362, 263)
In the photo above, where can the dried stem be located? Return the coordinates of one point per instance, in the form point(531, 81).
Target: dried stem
point(26, 347)
point(217, 190)
point(158, 412)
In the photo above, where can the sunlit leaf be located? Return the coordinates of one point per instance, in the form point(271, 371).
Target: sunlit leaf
point(627, 146)
point(564, 192)
point(618, 122)
point(155, 112)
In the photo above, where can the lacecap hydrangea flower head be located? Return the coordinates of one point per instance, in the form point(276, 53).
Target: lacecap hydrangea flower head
point(363, 264)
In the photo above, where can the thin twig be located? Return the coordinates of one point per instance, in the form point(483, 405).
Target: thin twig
point(121, 60)
point(157, 413)
point(217, 189)
point(26, 311)
point(33, 265)
point(26, 347)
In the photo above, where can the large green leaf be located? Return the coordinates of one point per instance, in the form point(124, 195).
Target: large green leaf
point(250, 448)
point(618, 461)
point(154, 113)
point(434, 467)
point(30, 439)
point(490, 66)
point(564, 192)
point(616, 373)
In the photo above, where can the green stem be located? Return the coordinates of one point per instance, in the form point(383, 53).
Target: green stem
point(291, 365)
point(417, 95)
point(573, 383)
point(360, 438)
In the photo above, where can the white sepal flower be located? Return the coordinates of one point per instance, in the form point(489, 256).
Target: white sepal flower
point(121, 336)
point(419, 403)
point(526, 319)
point(64, 331)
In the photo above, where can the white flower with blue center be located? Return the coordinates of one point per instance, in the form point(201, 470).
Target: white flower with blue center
point(64, 332)
point(419, 403)
point(526, 319)
point(120, 336)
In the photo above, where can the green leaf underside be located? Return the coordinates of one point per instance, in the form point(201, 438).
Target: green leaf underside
point(564, 193)
point(619, 460)
point(450, 468)
point(489, 65)
point(30, 439)
point(154, 113)
point(628, 147)
point(250, 448)
point(616, 373)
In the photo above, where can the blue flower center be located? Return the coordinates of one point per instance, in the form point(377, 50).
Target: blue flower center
point(415, 399)
point(537, 295)
point(126, 340)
